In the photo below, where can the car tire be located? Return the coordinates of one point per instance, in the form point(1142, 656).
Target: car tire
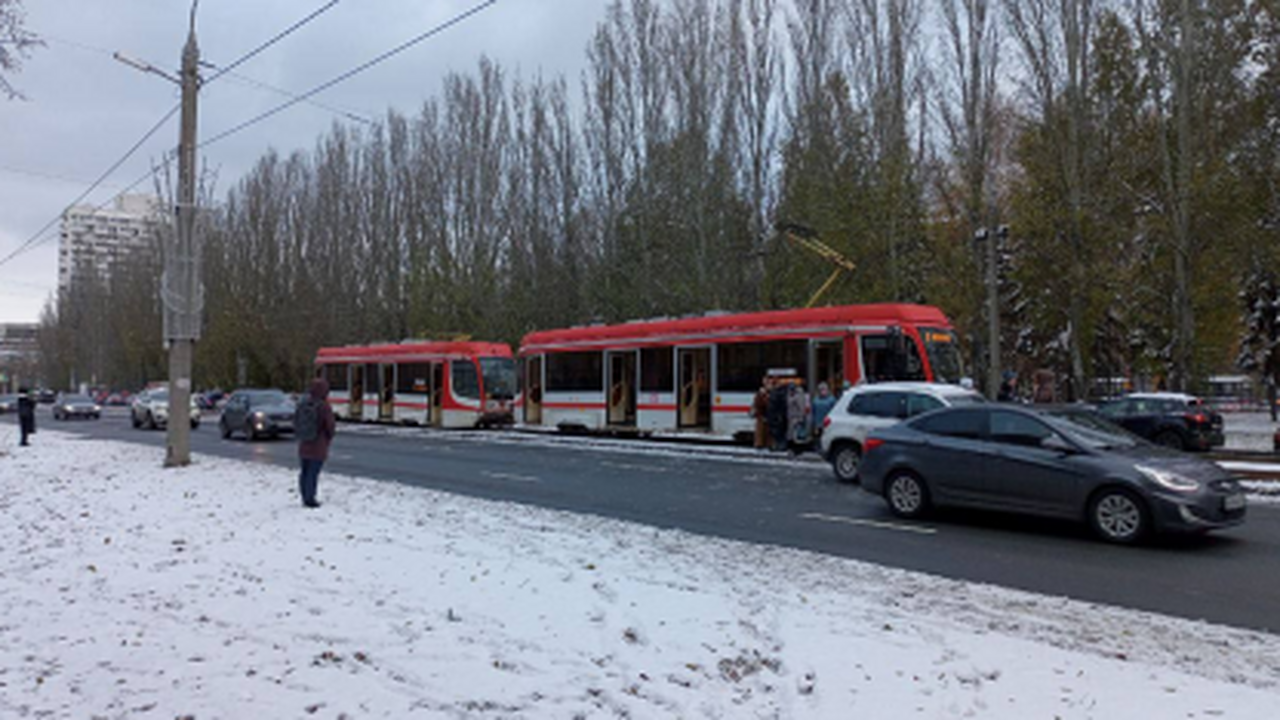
point(1171, 439)
point(133, 418)
point(846, 457)
point(907, 494)
point(195, 424)
point(1118, 516)
point(150, 421)
point(249, 433)
point(226, 431)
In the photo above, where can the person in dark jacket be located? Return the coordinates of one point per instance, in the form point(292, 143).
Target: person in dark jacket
point(776, 414)
point(760, 411)
point(313, 453)
point(26, 415)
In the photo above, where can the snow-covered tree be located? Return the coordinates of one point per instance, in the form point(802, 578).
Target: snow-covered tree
point(1260, 344)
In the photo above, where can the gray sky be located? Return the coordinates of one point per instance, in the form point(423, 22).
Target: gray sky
point(84, 109)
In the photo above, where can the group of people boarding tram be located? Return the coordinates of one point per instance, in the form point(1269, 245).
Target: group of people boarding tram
point(787, 418)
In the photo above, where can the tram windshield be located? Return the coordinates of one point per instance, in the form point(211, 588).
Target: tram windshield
point(944, 356)
point(499, 377)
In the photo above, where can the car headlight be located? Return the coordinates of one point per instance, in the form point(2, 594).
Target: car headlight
point(1167, 479)
point(97, 408)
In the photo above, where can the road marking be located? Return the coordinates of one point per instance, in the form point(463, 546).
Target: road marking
point(871, 523)
point(626, 466)
point(510, 476)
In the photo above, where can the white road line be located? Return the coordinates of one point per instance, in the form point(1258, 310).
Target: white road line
point(871, 523)
point(509, 476)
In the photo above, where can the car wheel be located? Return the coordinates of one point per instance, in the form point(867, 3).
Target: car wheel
point(133, 418)
point(195, 424)
point(249, 433)
point(1170, 439)
point(907, 495)
point(1118, 516)
point(845, 460)
point(226, 431)
point(151, 421)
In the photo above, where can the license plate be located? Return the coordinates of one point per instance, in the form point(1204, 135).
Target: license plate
point(1233, 502)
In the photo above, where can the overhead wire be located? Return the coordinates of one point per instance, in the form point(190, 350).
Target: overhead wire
point(456, 19)
point(35, 239)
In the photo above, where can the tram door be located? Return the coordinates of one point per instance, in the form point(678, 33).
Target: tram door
point(695, 388)
point(356, 383)
point(387, 398)
point(533, 396)
point(622, 387)
point(828, 366)
point(437, 394)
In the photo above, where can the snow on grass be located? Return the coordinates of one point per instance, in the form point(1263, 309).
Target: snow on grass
point(131, 591)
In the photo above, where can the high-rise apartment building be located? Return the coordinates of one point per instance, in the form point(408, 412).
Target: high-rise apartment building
point(98, 237)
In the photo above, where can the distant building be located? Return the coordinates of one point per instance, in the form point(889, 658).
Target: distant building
point(19, 354)
point(99, 237)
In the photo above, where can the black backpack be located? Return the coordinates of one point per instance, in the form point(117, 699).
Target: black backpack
point(306, 420)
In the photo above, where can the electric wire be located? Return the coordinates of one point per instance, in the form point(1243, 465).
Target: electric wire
point(456, 19)
point(36, 238)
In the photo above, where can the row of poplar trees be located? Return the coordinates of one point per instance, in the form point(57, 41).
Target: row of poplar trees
point(1129, 146)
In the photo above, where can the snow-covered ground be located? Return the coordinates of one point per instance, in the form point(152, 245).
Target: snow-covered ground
point(128, 591)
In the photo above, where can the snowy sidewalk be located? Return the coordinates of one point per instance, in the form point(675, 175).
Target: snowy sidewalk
point(128, 591)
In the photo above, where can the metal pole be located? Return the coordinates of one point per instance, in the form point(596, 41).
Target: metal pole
point(180, 276)
point(993, 312)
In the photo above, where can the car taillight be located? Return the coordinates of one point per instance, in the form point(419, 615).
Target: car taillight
point(1196, 418)
point(826, 422)
point(871, 444)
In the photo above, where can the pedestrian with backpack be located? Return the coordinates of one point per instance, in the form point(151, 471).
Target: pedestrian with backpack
point(314, 426)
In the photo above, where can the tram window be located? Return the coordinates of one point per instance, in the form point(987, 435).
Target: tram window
point(657, 372)
point(411, 378)
point(742, 366)
point(337, 376)
point(372, 380)
point(574, 371)
point(891, 357)
point(466, 382)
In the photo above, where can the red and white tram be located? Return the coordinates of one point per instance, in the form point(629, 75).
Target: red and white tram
point(701, 373)
point(441, 384)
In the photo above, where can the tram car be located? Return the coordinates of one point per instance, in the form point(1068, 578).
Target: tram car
point(699, 374)
point(436, 384)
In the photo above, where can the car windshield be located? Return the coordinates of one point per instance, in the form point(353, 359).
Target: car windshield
point(267, 397)
point(944, 357)
point(499, 377)
point(967, 399)
point(1092, 430)
point(159, 396)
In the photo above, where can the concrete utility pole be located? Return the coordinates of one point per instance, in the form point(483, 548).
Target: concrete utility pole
point(180, 290)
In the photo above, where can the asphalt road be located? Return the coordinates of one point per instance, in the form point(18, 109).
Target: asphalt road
point(1231, 577)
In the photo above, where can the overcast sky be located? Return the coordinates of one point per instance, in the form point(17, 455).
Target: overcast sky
point(84, 109)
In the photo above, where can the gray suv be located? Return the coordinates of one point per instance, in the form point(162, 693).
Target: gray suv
point(257, 413)
point(1068, 463)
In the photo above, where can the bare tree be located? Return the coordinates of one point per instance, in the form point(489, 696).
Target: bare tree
point(16, 43)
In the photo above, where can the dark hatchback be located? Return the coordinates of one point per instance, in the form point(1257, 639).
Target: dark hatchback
point(1181, 422)
point(1067, 463)
point(257, 413)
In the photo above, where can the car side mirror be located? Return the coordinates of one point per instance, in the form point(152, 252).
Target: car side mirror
point(1057, 444)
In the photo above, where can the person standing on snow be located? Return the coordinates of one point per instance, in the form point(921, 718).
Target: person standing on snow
point(26, 415)
point(797, 417)
point(314, 426)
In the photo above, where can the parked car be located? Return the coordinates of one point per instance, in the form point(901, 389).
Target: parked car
point(71, 405)
point(1063, 463)
point(8, 404)
point(45, 396)
point(867, 407)
point(150, 409)
point(1181, 422)
point(116, 399)
point(257, 413)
